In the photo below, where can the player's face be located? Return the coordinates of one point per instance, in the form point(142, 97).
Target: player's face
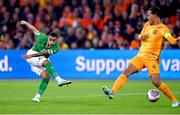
point(150, 17)
point(51, 40)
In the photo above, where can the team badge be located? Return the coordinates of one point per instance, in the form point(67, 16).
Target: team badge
point(154, 31)
point(154, 66)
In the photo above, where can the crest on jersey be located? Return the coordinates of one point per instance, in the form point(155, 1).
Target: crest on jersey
point(154, 31)
point(154, 66)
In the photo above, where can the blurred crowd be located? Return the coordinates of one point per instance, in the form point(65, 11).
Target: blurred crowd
point(83, 24)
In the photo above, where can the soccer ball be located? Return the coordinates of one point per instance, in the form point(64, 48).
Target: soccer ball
point(153, 95)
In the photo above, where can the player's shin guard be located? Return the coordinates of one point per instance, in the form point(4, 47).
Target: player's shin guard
point(50, 70)
point(165, 89)
point(43, 85)
point(120, 81)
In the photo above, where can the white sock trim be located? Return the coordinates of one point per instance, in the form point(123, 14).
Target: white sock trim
point(58, 79)
point(37, 95)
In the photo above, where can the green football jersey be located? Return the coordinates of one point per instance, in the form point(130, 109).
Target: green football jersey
point(42, 44)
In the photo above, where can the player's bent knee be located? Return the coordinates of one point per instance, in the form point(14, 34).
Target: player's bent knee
point(156, 83)
point(45, 63)
point(44, 74)
point(155, 79)
point(130, 70)
point(127, 73)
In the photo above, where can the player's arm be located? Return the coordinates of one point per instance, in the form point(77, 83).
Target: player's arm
point(171, 39)
point(50, 51)
point(178, 41)
point(31, 27)
point(44, 52)
point(143, 35)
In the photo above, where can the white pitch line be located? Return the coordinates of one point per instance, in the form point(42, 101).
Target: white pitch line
point(85, 96)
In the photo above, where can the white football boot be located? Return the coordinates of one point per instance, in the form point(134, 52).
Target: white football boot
point(176, 104)
point(36, 98)
point(107, 91)
point(61, 81)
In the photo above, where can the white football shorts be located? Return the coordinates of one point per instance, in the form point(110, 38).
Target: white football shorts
point(36, 62)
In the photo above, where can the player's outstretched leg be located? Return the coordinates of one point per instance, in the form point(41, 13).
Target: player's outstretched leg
point(120, 81)
point(51, 71)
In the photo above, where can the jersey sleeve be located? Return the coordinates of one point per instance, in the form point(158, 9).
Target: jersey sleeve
point(41, 37)
point(54, 49)
point(167, 35)
point(143, 30)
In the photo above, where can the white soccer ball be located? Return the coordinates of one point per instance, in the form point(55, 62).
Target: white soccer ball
point(153, 95)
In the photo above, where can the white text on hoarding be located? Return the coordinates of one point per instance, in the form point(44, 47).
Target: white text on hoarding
point(4, 66)
point(110, 65)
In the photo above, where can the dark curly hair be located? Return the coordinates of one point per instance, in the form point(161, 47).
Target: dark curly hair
point(156, 10)
point(53, 35)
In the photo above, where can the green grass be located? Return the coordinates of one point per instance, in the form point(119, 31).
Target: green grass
point(83, 97)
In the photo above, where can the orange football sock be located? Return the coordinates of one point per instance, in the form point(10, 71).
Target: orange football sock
point(120, 81)
point(164, 88)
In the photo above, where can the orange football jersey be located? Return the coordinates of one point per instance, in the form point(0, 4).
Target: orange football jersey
point(151, 47)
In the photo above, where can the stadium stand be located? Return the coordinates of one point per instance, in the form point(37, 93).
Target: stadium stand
point(83, 24)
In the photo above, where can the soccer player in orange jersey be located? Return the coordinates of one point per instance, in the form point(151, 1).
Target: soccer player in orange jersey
point(152, 36)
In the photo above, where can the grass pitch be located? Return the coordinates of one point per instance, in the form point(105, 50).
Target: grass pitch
point(83, 97)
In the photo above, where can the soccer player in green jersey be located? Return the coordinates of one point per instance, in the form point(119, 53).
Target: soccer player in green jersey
point(38, 55)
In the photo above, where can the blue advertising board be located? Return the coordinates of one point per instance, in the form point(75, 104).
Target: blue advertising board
point(87, 64)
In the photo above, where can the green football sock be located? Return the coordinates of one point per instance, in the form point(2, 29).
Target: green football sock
point(43, 85)
point(50, 70)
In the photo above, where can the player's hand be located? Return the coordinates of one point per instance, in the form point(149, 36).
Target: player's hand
point(178, 41)
point(143, 37)
point(23, 22)
point(27, 56)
